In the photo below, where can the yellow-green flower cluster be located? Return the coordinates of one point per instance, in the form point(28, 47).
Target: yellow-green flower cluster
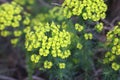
point(14, 41)
point(17, 33)
point(62, 65)
point(112, 34)
point(88, 9)
point(10, 17)
point(79, 27)
point(5, 33)
point(99, 27)
point(113, 42)
point(49, 40)
point(79, 45)
point(26, 21)
point(115, 66)
point(109, 57)
point(48, 64)
point(88, 36)
point(35, 58)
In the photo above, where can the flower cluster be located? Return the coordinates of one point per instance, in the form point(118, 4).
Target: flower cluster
point(88, 36)
point(48, 64)
point(115, 66)
point(50, 40)
point(99, 27)
point(88, 9)
point(79, 45)
point(61, 65)
point(113, 42)
point(10, 17)
point(35, 58)
point(79, 27)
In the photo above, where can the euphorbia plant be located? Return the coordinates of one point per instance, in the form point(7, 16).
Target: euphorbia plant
point(13, 19)
point(55, 43)
point(56, 47)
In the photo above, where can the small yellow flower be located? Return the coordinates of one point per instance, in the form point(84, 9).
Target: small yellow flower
point(115, 66)
point(5, 33)
point(88, 36)
point(99, 27)
point(48, 64)
point(26, 21)
point(112, 58)
point(78, 27)
point(14, 41)
point(62, 65)
point(35, 58)
point(17, 33)
point(116, 40)
point(79, 46)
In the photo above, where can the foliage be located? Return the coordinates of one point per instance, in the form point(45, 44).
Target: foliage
point(113, 43)
point(11, 17)
point(88, 9)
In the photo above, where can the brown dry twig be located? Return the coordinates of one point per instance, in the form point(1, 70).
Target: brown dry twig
point(110, 25)
point(107, 23)
point(55, 4)
point(115, 19)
